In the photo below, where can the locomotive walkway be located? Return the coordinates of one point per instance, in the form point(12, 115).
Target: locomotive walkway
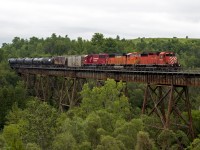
point(162, 77)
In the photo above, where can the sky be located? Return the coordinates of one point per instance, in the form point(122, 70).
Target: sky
point(82, 18)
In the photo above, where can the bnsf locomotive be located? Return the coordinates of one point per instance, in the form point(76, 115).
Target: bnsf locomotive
point(130, 60)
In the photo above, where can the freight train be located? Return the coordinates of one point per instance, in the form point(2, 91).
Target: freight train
point(134, 60)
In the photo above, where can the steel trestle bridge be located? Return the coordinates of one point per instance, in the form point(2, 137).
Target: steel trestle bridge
point(166, 95)
point(163, 77)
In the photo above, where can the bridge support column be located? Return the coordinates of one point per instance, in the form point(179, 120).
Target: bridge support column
point(168, 103)
point(60, 91)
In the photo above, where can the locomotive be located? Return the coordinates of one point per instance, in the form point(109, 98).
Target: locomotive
point(134, 60)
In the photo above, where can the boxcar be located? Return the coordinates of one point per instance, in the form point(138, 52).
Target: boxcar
point(75, 61)
point(60, 60)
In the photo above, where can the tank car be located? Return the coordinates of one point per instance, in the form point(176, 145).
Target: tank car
point(28, 61)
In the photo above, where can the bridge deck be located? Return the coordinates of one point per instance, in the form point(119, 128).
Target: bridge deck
point(179, 78)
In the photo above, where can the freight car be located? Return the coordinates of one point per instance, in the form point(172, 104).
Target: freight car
point(133, 60)
point(57, 61)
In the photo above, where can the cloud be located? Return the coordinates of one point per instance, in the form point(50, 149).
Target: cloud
point(78, 18)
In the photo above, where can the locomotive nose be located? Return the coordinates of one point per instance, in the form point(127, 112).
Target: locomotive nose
point(173, 60)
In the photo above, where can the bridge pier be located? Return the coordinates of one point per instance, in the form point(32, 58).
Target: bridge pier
point(168, 102)
point(60, 91)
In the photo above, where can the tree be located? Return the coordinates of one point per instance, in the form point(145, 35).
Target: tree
point(97, 41)
point(166, 139)
point(144, 142)
point(10, 95)
point(2, 142)
point(64, 141)
point(12, 137)
point(109, 97)
point(111, 143)
point(195, 144)
point(38, 124)
point(32, 146)
point(92, 124)
point(110, 46)
point(127, 132)
point(73, 126)
point(196, 121)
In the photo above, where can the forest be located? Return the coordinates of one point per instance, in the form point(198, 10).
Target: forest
point(106, 118)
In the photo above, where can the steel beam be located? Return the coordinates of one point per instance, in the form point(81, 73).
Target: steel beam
point(168, 106)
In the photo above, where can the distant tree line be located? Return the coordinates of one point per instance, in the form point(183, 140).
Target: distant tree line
point(187, 49)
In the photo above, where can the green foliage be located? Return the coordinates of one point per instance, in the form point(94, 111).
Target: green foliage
point(107, 120)
point(2, 142)
point(109, 97)
point(7, 77)
point(111, 143)
point(127, 132)
point(166, 139)
point(64, 141)
point(150, 124)
point(12, 137)
point(85, 146)
point(38, 124)
point(196, 121)
point(195, 144)
point(92, 123)
point(14, 115)
point(74, 127)
point(10, 95)
point(135, 94)
point(182, 139)
point(32, 146)
point(144, 142)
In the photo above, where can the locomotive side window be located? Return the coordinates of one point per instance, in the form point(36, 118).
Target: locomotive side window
point(102, 56)
point(144, 55)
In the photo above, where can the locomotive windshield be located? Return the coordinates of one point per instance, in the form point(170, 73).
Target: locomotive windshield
point(170, 54)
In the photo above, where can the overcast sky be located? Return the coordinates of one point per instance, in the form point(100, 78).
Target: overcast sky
point(82, 18)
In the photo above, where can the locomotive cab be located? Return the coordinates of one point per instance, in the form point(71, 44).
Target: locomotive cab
point(133, 58)
point(96, 59)
point(168, 58)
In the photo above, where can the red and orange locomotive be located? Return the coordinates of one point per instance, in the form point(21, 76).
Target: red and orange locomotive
point(135, 58)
